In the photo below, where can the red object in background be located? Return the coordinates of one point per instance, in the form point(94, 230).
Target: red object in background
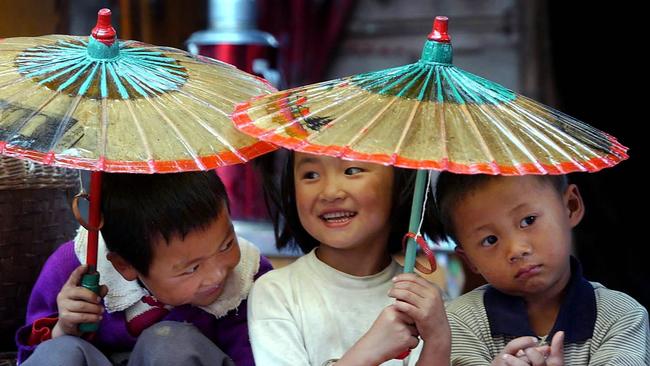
point(233, 37)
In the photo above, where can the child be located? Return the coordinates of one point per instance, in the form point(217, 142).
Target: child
point(333, 305)
point(516, 233)
point(171, 236)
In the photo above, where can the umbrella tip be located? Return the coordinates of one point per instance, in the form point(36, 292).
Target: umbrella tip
point(104, 31)
point(439, 31)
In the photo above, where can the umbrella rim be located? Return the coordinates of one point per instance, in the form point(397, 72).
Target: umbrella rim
point(207, 162)
point(245, 124)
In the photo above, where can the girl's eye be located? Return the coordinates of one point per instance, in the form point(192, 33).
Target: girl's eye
point(226, 246)
point(527, 221)
point(489, 241)
point(310, 175)
point(353, 170)
point(191, 270)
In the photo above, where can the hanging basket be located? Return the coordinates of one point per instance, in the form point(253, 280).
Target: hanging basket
point(35, 217)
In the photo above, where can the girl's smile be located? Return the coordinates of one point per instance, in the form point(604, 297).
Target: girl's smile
point(345, 205)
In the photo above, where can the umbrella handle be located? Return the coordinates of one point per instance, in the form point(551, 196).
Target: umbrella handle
point(79, 217)
point(90, 281)
point(425, 249)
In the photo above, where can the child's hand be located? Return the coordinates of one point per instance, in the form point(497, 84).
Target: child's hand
point(523, 351)
point(422, 301)
point(77, 305)
point(390, 335)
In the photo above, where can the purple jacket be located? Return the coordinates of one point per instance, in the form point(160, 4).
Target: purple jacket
point(229, 333)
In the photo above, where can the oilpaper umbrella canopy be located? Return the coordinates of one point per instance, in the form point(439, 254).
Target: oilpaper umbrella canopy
point(429, 115)
point(99, 103)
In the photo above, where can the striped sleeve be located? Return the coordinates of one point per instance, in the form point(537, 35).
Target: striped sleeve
point(622, 334)
point(471, 343)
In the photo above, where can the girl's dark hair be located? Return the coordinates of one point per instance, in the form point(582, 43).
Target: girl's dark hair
point(452, 188)
point(140, 208)
point(280, 195)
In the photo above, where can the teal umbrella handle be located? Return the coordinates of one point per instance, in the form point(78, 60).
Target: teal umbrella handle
point(416, 213)
point(91, 282)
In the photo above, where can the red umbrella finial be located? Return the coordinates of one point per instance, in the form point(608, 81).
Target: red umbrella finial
point(439, 31)
point(104, 31)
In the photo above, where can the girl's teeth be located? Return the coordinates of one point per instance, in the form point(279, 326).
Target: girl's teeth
point(338, 216)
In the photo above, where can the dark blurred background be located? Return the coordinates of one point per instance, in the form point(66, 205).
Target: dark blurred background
point(583, 60)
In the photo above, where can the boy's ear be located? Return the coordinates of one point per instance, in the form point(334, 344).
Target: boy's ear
point(574, 205)
point(121, 265)
point(461, 253)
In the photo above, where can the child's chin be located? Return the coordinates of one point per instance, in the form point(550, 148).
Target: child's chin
point(208, 299)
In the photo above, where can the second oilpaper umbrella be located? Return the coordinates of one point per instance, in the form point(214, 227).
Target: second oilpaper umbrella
point(429, 115)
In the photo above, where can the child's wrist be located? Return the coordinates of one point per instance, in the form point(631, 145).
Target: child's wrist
point(360, 355)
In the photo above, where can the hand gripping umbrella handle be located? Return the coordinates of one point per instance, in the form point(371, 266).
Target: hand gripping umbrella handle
point(90, 281)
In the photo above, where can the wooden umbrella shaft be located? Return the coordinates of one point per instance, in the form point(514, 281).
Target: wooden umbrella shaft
point(90, 280)
point(416, 213)
point(94, 219)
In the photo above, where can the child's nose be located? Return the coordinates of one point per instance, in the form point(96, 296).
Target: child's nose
point(332, 190)
point(215, 275)
point(518, 250)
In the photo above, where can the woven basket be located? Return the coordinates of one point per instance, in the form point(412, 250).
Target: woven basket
point(35, 217)
point(23, 174)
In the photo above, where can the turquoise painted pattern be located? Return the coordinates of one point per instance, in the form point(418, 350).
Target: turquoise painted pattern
point(86, 67)
point(434, 82)
point(433, 78)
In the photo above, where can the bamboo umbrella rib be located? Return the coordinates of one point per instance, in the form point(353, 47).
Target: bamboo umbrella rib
point(214, 132)
point(517, 111)
point(513, 139)
point(207, 90)
point(405, 131)
point(63, 123)
point(309, 138)
point(12, 82)
point(369, 125)
point(442, 123)
point(468, 118)
point(34, 113)
point(103, 137)
point(141, 134)
point(179, 134)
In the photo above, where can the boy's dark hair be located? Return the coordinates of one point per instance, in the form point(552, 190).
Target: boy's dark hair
point(140, 208)
point(280, 196)
point(452, 188)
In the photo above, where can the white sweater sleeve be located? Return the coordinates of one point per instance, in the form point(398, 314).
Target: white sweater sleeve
point(274, 333)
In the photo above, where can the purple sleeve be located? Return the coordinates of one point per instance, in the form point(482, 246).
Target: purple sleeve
point(42, 301)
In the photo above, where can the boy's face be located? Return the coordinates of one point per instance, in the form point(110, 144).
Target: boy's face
point(343, 204)
point(192, 270)
point(516, 233)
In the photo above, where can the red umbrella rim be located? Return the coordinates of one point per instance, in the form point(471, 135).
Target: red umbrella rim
point(244, 123)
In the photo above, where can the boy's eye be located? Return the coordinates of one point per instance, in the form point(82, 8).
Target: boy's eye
point(489, 241)
point(226, 246)
point(527, 221)
point(353, 170)
point(191, 270)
